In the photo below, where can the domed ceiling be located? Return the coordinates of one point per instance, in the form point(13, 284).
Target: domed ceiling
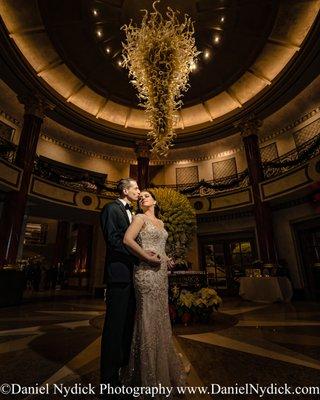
point(71, 52)
point(88, 36)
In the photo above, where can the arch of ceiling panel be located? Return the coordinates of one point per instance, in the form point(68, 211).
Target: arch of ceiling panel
point(26, 29)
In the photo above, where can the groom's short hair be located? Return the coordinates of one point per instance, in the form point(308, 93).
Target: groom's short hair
point(124, 183)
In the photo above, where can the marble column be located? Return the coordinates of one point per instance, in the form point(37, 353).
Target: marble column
point(249, 129)
point(143, 156)
point(15, 202)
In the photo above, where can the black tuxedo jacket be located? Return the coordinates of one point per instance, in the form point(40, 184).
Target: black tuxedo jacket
point(119, 261)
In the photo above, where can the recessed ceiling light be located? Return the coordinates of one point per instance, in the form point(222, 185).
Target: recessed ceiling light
point(216, 39)
point(206, 54)
point(120, 63)
point(108, 50)
point(99, 33)
point(95, 12)
point(222, 19)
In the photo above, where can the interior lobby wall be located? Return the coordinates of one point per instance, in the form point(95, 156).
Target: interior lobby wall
point(114, 170)
point(287, 248)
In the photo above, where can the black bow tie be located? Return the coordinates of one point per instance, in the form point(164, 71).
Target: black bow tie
point(128, 207)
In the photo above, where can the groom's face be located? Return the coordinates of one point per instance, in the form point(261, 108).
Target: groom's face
point(132, 192)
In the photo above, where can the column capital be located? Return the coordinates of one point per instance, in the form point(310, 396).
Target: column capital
point(249, 126)
point(142, 149)
point(34, 104)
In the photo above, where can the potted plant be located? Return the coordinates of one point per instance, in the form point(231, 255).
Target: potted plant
point(181, 304)
point(205, 301)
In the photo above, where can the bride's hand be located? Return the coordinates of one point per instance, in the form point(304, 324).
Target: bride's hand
point(170, 263)
point(153, 259)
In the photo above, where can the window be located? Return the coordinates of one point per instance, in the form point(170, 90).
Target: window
point(215, 264)
point(241, 256)
point(226, 257)
point(187, 175)
point(221, 169)
point(269, 152)
point(307, 133)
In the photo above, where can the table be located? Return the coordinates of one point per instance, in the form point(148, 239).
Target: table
point(266, 289)
point(187, 278)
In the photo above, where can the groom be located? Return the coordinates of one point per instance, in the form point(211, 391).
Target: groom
point(117, 332)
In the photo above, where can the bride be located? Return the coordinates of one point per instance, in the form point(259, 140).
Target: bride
point(153, 358)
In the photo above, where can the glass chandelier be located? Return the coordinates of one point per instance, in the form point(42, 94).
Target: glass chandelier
point(159, 56)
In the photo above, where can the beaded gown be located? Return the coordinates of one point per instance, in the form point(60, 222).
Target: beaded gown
point(153, 358)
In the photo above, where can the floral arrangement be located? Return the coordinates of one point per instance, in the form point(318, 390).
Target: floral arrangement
point(179, 219)
point(159, 56)
point(206, 298)
point(197, 305)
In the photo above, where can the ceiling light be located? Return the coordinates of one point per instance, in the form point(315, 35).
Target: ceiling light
point(120, 63)
point(95, 12)
point(222, 19)
point(206, 54)
point(216, 39)
point(99, 33)
point(193, 67)
point(108, 50)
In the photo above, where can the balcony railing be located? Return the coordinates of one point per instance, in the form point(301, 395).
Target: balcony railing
point(75, 179)
point(7, 150)
point(293, 158)
point(87, 181)
point(211, 187)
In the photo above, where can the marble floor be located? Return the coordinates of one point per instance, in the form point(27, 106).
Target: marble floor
point(51, 339)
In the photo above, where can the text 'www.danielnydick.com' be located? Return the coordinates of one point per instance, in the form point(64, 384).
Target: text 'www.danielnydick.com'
point(247, 389)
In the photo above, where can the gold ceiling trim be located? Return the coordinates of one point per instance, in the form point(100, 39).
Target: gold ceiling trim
point(296, 124)
point(292, 25)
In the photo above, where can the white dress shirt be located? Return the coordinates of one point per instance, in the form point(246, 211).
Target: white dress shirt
point(128, 211)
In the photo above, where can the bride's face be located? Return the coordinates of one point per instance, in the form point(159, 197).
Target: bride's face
point(146, 201)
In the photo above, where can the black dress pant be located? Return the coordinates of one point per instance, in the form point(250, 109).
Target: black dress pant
point(117, 331)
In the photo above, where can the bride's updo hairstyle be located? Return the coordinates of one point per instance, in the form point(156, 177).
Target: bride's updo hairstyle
point(156, 207)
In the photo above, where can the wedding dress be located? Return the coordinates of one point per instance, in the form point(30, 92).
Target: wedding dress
point(153, 359)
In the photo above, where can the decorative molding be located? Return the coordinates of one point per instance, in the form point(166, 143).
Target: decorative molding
point(223, 217)
point(35, 105)
point(295, 178)
point(10, 175)
point(201, 158)
point(142, 149)
point(292, 125)
point(83, 150)
point(249, 126)
point(10, 118)
point(80, 149)
point(291, 203)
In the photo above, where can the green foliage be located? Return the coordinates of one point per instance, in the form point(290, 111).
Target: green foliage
point(179, 219)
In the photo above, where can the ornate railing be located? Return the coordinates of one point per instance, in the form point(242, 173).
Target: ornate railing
point(7, 150)
point(293, 158)
point(75, 179)
point(211, 187)
point(88, 181)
